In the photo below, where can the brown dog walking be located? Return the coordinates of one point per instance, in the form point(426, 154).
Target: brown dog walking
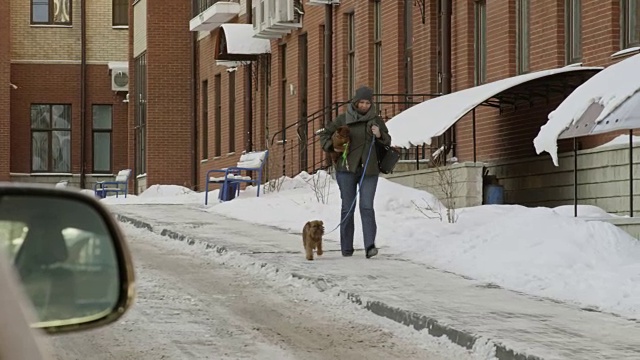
point(312, 238)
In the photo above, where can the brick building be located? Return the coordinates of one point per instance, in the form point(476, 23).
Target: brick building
point(393, 47)
point(403, 49)
point(64, 78)
point(198, 98)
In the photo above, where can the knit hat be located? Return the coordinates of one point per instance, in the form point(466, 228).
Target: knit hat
point(363, 93)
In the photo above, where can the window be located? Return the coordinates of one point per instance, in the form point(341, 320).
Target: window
point(218, 120)
point(51, 138)
point(522, 36)
point(377, 47)
point(120, 11)
point(351, 55)
point(283, 91)
point(102, 125)
point(51, 12)
point(408, 48)
point(321, 70)
point(573, 28)
point(140, 104)
point(480, 42)
point(205, 119)
point(630, 23)
point(232, 112)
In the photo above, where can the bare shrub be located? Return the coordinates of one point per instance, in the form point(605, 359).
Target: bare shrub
point(445, 187)
point(320, 183)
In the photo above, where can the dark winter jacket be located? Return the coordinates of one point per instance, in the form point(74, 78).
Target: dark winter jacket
point(361, 137)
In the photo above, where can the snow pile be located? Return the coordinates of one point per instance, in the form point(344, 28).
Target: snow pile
point(609, 88)
point(584, 211)
point(163, 194)
point(540, 251)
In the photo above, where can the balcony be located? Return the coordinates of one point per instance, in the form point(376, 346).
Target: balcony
point(213, 13)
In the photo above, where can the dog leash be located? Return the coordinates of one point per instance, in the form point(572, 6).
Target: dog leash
point(364, 170)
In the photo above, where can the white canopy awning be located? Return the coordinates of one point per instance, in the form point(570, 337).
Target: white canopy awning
point(606, 102)
point(118, 65)
point(236, 43)
point(420, 123)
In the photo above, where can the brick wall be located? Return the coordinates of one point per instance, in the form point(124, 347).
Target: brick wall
point(46, 68)
point(130, 136)
point(5, 90)
point(60, 84)
point(104, 42)
point(499, 135)
point(510, 134)
point(169, 121)
point(62, 42)
point(41, 42)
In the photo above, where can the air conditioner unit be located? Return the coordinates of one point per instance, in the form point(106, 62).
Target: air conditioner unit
point(261, 27)
point(323, 2)
point(287, 15)
point(119, 80)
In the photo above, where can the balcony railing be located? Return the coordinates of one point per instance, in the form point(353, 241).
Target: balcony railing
point(202, 5)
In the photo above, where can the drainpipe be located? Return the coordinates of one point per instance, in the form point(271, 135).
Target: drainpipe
point(194, 105)
point(328, 61)
point(83, 88)
point(445, 57)
point(248, 112)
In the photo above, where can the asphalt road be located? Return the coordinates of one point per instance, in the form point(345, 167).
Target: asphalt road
point(193, 307)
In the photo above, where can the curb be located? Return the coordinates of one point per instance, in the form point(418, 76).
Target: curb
point(401, 316)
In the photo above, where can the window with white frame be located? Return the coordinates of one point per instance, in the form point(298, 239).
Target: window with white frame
point(51, 12)
point(51, 138)
point(629, 23)
point(120, 13)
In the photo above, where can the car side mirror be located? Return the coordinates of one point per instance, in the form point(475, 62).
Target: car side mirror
point(70, 256)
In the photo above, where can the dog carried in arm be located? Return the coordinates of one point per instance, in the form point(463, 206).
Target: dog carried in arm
point(312, 238)
point(341, 139)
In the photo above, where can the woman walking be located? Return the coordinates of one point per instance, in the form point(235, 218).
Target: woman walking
point(364, 124)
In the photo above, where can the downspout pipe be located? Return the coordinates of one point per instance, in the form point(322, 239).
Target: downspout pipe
point(445, 11)
point(248, 104)
point(194, 105)
point(83, 88)
point(446, 46)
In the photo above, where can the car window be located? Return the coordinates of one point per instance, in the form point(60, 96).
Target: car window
point(12, 234)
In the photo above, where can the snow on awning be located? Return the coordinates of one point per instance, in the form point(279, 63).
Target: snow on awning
point(602, 104)
point(236, 43)
point(420, 123)
point(624, 117)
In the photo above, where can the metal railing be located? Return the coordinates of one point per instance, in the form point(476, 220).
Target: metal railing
point(202, 5)
point(297, 147)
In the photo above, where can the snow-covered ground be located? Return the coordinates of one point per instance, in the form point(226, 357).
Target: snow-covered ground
point(195, 305)
point(541, 251)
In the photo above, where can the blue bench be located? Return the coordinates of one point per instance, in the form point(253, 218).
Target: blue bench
point(120, 185)
point(231, 177)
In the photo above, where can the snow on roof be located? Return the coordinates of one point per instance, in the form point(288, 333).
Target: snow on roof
point(610, 88)
point(420, 123)
point(240, 40)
